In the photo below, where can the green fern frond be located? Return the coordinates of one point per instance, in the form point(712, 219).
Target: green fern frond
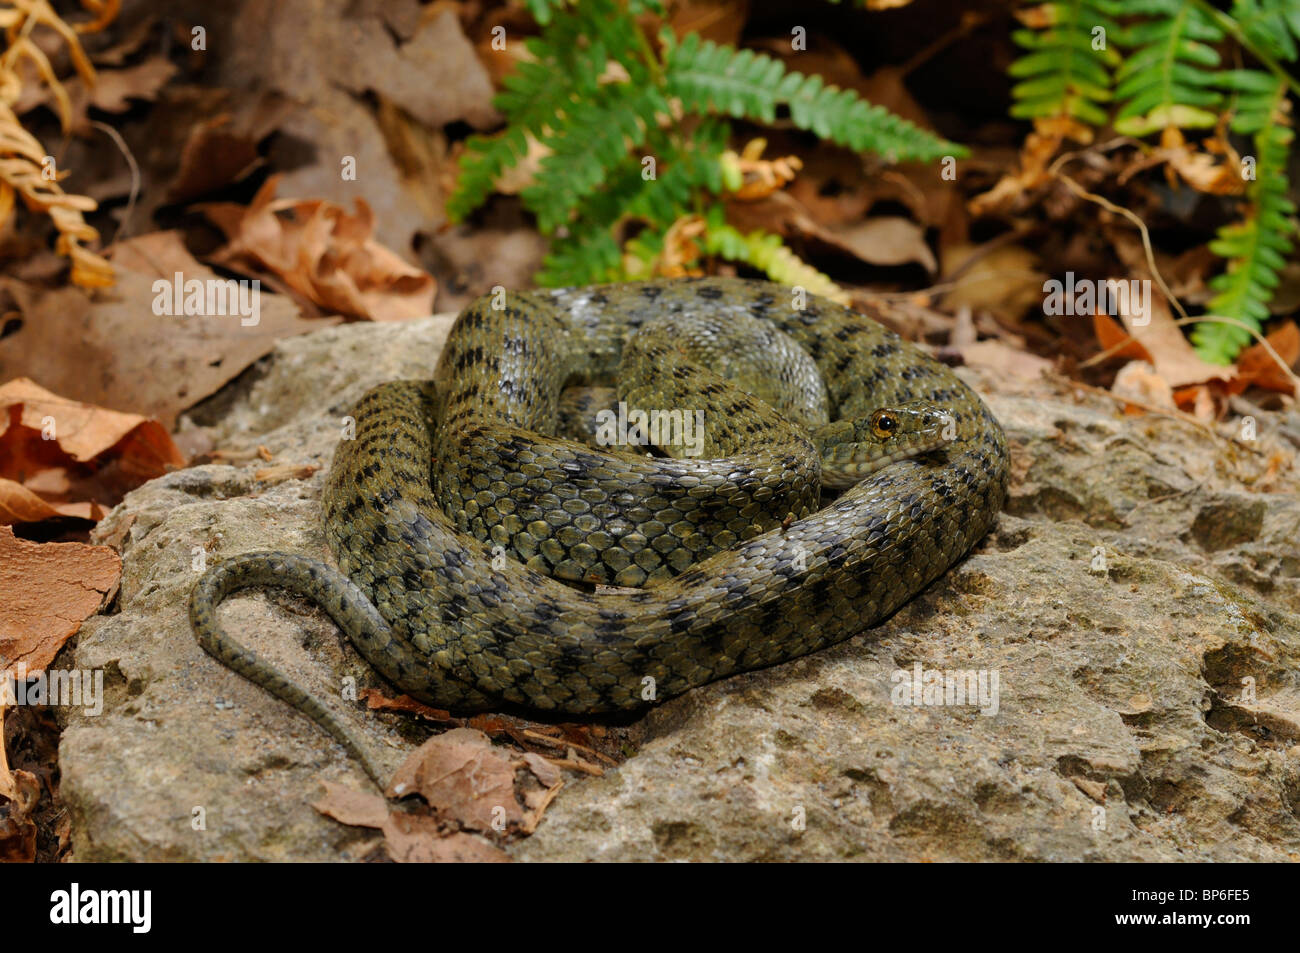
point(1257, 246)
point(595, 96)
point(1170, 78)
point(1273, 25)
point(1066, 69)
point(589, 251)
point(483, 162)
point(596, 136)
point(707, 77)
point(586, 256)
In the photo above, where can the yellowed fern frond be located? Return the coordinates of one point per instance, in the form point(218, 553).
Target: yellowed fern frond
point(25, 167)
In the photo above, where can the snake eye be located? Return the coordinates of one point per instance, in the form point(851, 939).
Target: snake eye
point(883, 424)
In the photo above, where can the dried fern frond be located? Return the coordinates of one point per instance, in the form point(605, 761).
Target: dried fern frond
point(25, 167)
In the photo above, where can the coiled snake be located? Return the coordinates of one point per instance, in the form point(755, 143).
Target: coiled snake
point(447, 584)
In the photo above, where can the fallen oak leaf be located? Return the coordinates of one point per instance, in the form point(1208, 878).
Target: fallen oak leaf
point(1171, 353)
point(322, 255)
point(377, 701)
point(1004, 359)
point(58, 452)
point(84, 431)
point(462, 775)
point(352, 807)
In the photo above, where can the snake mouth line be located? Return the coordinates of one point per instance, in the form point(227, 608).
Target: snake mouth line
point(844, 477)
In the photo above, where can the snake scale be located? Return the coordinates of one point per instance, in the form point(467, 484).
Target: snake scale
point(456, 578)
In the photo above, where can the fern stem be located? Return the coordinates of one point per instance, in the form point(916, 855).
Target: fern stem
point(647, 51)
point(1233, 29)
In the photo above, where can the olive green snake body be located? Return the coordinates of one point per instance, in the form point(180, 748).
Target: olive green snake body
point(448, 582)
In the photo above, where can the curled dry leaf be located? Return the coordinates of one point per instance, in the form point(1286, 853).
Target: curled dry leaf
point(223, 148)
point(1258, 368)
point(59, 457)
point(46, 591)
point(409, 838)
point(19, 794)
point(1138, 381)
point(884, 241)
point(464, 776)
point(322, 255)
point(1200, 169)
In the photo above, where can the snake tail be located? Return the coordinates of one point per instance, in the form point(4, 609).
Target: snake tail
point(335, 593)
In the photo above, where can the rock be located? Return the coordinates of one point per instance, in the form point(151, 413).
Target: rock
point(1137, 610)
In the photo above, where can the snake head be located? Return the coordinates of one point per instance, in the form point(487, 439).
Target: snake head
point(853, 449)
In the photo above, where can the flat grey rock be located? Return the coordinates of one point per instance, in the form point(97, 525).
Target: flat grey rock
point(1139, 604)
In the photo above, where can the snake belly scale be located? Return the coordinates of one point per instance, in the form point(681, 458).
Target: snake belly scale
point(426, 598)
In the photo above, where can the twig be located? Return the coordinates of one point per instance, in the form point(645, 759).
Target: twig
point(576, 764)
point(124, 228)
point(561, 743)
point(1107, 204)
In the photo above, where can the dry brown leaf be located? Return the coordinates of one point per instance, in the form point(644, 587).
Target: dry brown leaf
point(376, 700)
point(322, 254)
point(106, 351)
point(887, 240)
point(46, 591)
point(1203, 170)
point(352, 807)
point(223, 149)
point(884, 241)
point(63, 457)
point(1138, 381)
point(1004, 280)
point(1040, 147)
point(1111, 335)
point(114, 89)
point(461, 774)
point(1172, 354)
point(409, 838)
point(721, 21)
point(1199, 401)
point(1004, 359)
point(20, 505)
point(1257, 368)
point(134, 35)
point(20, 792)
